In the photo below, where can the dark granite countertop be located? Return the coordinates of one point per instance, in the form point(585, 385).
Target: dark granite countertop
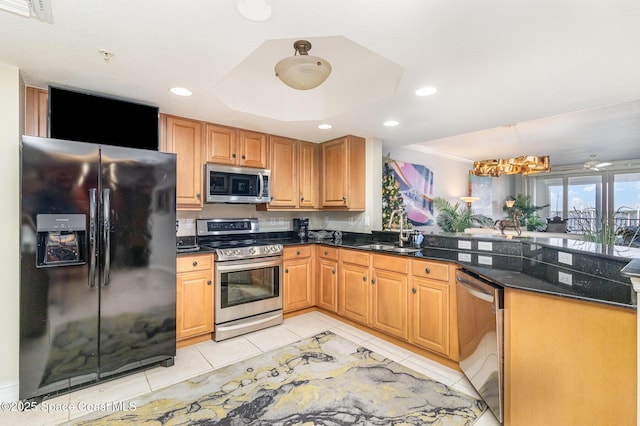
point(528, 264)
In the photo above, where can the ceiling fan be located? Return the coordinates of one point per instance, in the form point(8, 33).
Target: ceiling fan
point(594, 164)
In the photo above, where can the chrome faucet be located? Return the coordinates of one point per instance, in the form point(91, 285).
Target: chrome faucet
point(401, 237)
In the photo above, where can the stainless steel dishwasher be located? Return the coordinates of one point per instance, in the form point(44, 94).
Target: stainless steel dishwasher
point(481, 336)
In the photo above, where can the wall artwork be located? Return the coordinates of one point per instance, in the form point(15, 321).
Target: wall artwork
point(409, 187)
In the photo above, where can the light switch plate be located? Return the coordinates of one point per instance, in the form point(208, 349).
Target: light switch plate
point(485, 246)
point(464, 257)
point(465, 245)
point(485, 260)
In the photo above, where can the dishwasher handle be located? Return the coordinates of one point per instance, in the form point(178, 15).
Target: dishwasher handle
point(476, 289)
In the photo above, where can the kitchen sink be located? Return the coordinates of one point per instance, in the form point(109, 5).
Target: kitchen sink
point(389, 247)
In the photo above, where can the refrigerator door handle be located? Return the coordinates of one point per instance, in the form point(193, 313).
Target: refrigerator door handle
point(93, 225)
point(106, 234)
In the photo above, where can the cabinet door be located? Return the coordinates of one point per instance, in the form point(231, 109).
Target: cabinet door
point(429, 304)
point(221, 145)
point(354, 292)
point(36, 120)
point(283, 162)
point(308, 154)
point(253, 149)
point(297, 284)
point(327, 295)
point(390, 302)
point(184, 138)
point(194, 304)
point(334, 173)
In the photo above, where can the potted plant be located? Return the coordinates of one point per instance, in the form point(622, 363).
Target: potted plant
point(457, 218)
point(530, 218)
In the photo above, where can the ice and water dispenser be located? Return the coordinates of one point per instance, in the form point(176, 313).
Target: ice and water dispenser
point(61, 239)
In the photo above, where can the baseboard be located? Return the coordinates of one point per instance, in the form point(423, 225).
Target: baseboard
point(9, 391)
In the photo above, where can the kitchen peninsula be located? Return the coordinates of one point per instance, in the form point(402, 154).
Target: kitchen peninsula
point(570, 350)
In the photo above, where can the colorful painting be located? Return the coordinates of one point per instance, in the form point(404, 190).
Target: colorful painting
point(414, 183)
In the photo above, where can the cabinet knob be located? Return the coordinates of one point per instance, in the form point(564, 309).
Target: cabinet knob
point(244, 157)
point(333, 271)
point(286, 271)
point(427, 270)
point(195, 263)
point(326, 252)
point(373, 281)
point(233, 155)
point(301, 198)
point(198, 195)
point(298, 253)
point(209, 282)
point(414, 290)
point(364, 279)
point(344, 198)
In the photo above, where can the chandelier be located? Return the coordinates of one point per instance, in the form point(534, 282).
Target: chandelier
point(524, 165)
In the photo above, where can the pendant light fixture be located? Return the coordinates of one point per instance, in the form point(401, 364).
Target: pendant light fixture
point(303, 71)
point(524, 165)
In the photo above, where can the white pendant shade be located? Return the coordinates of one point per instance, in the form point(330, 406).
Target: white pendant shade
point(303, 71)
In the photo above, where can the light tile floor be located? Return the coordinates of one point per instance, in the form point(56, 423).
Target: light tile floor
point(208, 356)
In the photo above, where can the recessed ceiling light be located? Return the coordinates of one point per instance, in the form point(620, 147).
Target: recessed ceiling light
point(254, 10)
point(426, 91)
point(180, 91)
point(391, 123)
point(324, 126)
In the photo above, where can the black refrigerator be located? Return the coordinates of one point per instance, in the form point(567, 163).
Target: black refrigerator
point(97, 276)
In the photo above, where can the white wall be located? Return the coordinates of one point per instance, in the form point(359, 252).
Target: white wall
point(11, 101)
point(451, 179)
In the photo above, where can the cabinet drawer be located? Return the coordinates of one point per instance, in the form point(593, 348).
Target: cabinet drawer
point(296, 252)
point(328, 252)
point(391, 263)
point(194, 263)
point(355, 256)
point(433, 270)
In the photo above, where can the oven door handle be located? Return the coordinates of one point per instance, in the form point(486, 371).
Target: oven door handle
point(243, 265)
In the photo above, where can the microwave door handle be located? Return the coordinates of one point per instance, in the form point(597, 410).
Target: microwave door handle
point(261, 190)
point(106, 234)
point(93, 224)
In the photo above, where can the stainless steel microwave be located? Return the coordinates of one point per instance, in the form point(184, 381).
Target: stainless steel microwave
point(228, 184)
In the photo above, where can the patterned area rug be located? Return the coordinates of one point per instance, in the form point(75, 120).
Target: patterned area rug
point(323, 380)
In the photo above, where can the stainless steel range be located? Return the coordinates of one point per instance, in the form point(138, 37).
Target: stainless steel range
point(248, 276)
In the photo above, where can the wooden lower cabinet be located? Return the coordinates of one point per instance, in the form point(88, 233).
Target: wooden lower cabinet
point(297, 278)
point(568, 362)
point(327, 278)
point(389, 285)
point(432, 307)
point(194, 296)
point(354, 290)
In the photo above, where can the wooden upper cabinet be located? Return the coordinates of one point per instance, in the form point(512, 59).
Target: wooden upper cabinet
point(283, 162)
point(253, 149)
point(235, 147)
point(308, 174)
point(294, 174)
point(343, 173)
point(36, 122)
point(221, 145)
point(184, 137)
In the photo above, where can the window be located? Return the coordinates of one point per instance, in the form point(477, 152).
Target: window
point(606, 202)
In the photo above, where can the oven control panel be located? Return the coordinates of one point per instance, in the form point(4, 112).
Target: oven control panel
point(235, 253)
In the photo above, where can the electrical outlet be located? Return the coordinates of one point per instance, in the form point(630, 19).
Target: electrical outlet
point(485, 260)
point(565, 278)
point(367, 221)
point(464, 244)
point(464, 257)
point(281, 220)
point(485, 246)
point(272, 221)
point(565, 258)
point(189, 223)
point(350, 220)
